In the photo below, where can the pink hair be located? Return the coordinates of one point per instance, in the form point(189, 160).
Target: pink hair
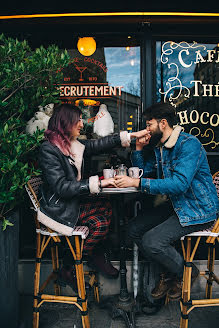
point(64, 117)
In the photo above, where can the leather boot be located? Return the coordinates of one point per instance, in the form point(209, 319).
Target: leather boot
point(162, 286)
point(175, 292)
point(67, 276)
point(101, 263)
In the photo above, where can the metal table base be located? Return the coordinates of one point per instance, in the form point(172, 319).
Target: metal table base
point(122, 305)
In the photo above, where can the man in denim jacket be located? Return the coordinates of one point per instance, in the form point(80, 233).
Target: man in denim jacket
point(177, 171)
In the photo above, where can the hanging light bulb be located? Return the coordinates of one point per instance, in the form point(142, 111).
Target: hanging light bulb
point(86, 46)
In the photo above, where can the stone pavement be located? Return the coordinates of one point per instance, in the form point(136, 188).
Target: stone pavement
point(67, 316)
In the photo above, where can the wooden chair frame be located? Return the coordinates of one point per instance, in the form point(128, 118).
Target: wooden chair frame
point(44, 238)
point(186, 303)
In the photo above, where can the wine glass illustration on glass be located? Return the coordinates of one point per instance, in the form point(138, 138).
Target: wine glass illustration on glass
point(81, 70)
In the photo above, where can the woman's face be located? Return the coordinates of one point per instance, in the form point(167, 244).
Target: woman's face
point(76, 129)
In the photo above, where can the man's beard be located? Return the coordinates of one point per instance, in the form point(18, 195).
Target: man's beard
point(155, 137)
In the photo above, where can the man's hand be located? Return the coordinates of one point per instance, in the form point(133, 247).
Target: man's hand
point(141, 142)
point(142, 138)
point(123, 181)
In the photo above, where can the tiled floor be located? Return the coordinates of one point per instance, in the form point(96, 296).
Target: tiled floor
point(66, 316)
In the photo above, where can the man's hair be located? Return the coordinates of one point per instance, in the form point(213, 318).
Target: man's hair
point(159, 111)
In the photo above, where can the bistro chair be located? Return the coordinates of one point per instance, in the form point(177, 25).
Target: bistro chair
point(187, 304)
point(44, 237)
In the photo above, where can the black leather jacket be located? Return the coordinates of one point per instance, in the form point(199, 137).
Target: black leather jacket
point(60, 191)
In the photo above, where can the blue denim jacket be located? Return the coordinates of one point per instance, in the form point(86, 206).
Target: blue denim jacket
point(186, 177)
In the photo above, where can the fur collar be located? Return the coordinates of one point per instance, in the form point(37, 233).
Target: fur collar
point(173, 137)
point(77, 150)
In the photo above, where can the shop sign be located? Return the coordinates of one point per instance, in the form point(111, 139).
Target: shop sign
point(85, 77)
point(185, 83)
point(96, 91)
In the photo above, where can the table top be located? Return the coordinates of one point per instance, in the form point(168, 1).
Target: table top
point(118, 190)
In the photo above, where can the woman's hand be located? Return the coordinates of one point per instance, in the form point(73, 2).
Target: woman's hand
point(123, 181)
point(108, 182)
point(141, 142)
point(140, 134)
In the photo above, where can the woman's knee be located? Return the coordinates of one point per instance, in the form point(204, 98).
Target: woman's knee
point(100, 225)
point(104, 206)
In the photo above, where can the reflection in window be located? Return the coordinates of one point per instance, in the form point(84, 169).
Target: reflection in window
point(110, 77)
point(188, 78)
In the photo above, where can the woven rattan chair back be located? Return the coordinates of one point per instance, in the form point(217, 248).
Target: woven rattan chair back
point(32, 188)
point(215, 229)
point(44, 236)
point(187, 303)
point(216, 182)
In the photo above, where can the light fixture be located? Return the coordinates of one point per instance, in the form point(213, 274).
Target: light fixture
point(86, 102)
point(127, 48)
point(86, 46)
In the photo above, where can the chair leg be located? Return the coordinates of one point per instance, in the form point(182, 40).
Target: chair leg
point(211, 260)
point(55, 268)
point(93, 284)
point(57, 265)
point(186, 289)
point(81, 284)
point(167, 300)
point(36, 283)
point(96, 292)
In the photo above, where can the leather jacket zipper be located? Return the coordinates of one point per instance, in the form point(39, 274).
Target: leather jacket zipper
point(56, 202)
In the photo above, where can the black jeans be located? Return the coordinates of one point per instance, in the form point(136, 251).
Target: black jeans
point(155, 229)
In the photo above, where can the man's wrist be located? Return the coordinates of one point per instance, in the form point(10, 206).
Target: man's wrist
point(139, 147)
point(137, 182)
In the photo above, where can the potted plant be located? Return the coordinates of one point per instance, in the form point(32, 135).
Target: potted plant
point(28, 79)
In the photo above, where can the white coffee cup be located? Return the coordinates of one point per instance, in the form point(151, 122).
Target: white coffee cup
point(108, 173)
point(135, 172)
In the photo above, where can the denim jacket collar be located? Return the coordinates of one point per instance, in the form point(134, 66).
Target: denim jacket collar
point(170, 143)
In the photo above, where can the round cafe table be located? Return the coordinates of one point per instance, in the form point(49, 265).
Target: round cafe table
point(124, 305)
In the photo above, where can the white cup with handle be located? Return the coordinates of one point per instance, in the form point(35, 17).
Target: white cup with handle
point(135, 172)
point(108, 173)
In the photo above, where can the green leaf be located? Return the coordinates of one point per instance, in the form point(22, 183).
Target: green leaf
point(6, 223)
point(5, 128)
point(28, 79)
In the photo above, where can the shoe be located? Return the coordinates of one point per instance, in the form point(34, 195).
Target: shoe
point(67, 276)
point(162, 287)
point(101, 263)
point(175, 292)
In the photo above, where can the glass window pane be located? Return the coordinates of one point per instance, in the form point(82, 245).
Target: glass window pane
point(110, 77)
point(187, 77)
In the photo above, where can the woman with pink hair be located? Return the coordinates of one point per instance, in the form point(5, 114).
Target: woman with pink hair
point(65, 202)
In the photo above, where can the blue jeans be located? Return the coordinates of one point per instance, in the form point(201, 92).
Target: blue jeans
point(155, 230)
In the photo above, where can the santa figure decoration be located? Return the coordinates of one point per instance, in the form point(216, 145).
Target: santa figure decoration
point(103, 126)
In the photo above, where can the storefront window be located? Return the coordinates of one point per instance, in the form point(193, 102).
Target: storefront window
point(111, 77)
point(187, 76)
